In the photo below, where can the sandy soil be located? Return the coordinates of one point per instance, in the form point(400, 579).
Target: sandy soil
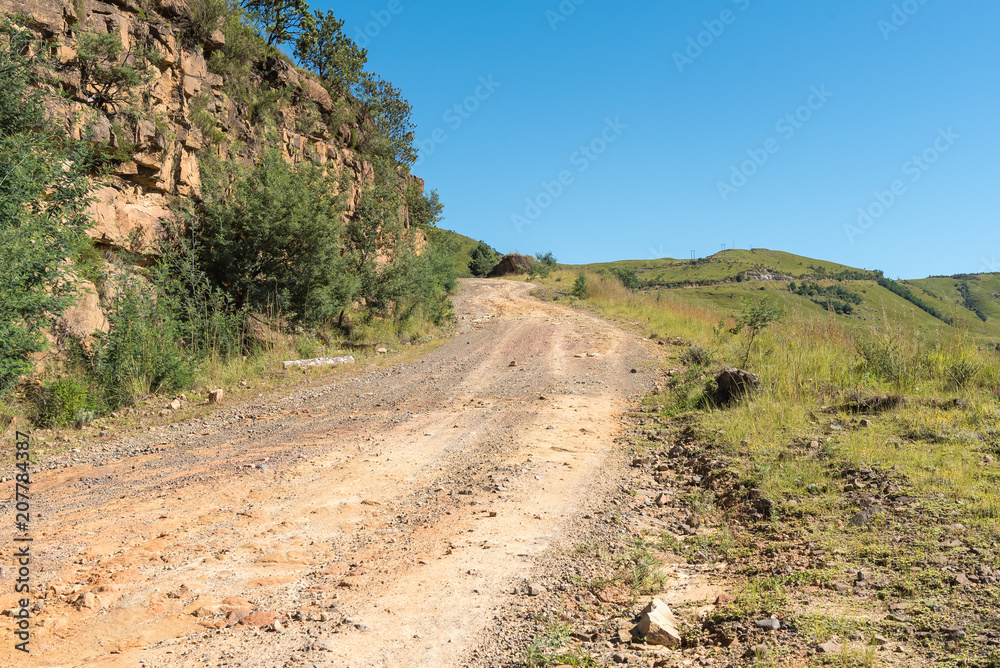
point(381, 519)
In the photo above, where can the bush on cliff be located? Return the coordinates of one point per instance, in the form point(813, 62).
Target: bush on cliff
point(43, 187)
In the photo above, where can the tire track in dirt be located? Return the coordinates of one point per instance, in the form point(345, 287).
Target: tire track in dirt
point(411, 500)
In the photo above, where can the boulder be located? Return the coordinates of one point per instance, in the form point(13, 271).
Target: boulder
point(318, 94)
point(658, 625)
point(216, 40)
point(280, 72)
point(175, 7)
point(512, 263)
point(732, 384)
point(85, 318)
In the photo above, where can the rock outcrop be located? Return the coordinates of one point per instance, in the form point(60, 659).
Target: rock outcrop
point(181, 114)
point(512, 264)
point(732, 384)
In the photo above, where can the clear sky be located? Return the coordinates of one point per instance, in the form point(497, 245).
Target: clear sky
point(862, 131)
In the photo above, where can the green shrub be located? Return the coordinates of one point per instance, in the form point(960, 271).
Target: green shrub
point(425, 209)
point(881, 358)
point(109, 74)
point(432, 280)
point(43, 199)
point(206, 121)
point(376, 231)
point(62, 402)
point(539, 269)
point(142, 353)
point(628, 277)
point(483, 259)
point(580, 286)
point(205, 16)
point(271, 237)
point(961, 373)
point(698, 356)
point(238, 60)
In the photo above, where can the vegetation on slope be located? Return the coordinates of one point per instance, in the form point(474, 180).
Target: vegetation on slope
point(43, 183)
point(265, 257)
point(868, 450)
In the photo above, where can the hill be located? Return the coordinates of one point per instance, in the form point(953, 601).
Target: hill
point(845, 499)
point(458, 248)
point(858, 298)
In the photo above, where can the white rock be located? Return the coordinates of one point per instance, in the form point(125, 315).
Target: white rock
point(320, 361)
point(658, 625)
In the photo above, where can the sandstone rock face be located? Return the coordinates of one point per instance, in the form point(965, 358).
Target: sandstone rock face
point(318, 95)
point(50, 16)
point(128, 220)
point(185, 113)
point(85, 318)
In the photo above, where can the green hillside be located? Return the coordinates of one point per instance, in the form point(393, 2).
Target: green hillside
point(973, 297)
point(856, 298)
point(725, 265)
point(457, 246)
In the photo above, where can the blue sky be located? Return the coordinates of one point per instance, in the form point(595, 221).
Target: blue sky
point(864, 131)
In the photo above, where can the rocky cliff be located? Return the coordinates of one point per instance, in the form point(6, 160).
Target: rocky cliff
point(180, 100)
point(180, 111)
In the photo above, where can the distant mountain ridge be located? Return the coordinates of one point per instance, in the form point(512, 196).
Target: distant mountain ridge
point(969, 302)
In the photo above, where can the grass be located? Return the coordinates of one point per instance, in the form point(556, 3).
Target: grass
point(548, 648)
point(802, 443)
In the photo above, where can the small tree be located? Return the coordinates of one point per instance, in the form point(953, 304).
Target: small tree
point(580, 286)
point(483, 260)
point(386, 128)
point(43, 199)
point(757, 315)
point(323, 47)
point(108, 73)
point(279, 21)
point(546, 261)
point(425, 210)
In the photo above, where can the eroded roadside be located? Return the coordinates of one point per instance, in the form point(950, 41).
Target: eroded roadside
point(381, 520)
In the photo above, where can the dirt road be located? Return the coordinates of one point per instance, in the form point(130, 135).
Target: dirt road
point(382, 517)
